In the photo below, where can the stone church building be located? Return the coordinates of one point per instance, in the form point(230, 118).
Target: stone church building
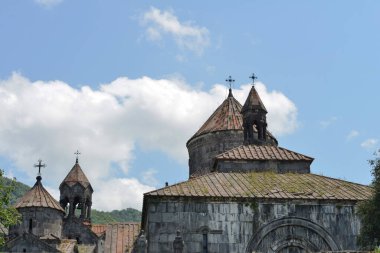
point(247, 194)
point(65, 226)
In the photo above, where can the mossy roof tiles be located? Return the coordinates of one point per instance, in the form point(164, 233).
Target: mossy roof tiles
point(262, 152)
point(266, 185)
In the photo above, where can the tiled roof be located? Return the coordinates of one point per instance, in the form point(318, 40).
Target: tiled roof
point(99, 229)
point(121, 236)
point(226, 117)
point(38, 196)
point(262, 152)
point(266, 185)
point(253, 101)
point(76, 175)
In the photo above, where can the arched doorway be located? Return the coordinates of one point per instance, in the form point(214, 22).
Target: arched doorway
point(291, 235)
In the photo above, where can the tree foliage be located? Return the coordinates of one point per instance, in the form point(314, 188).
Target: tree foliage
point(8, 215)
point(125, 215)
point(369, 211)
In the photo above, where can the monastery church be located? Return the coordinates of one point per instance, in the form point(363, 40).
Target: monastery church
point(245, 194)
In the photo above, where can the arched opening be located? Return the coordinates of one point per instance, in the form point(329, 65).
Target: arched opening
point(292, 235)
point(30, 225)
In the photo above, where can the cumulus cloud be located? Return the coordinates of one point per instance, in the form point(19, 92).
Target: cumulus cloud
point(48, 3)
point(186, 35)
point(51, 119)
point(351, 135)
point(369, 143)
point(282, 112)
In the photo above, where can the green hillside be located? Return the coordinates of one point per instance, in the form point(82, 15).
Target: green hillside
point(98, 217)
point(129, 214)
point(18, 191)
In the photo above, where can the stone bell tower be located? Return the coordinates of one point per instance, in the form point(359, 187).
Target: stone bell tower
point(254, 118)
point(76, 193)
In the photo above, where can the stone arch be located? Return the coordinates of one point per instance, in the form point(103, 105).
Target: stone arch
point(279, 234)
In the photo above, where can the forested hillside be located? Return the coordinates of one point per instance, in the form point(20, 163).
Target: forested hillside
point(98, 217)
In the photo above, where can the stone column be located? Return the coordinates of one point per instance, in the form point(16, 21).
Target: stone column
point(141, 243)
point(71, 208)
point(178, 243)
point(89, 210)
point(83, 210)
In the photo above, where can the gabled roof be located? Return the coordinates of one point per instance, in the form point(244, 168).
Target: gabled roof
point(265, 185)
point(262, 152)
point(226, 117)
point(31, 239)
point(119, 236)
point(76, 175)
point(253, 101)
point(38, 196)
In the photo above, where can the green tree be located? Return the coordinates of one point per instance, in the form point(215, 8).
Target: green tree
point(369, 211)
point(8, 214)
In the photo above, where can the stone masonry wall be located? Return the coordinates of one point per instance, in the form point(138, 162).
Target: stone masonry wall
point(204, 148)
point(45, 221)
point(241, 227)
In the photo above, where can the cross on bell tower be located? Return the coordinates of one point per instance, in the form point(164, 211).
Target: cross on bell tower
point(253, 77)
point(39, 165)
point(230, 81)
point(77, 153)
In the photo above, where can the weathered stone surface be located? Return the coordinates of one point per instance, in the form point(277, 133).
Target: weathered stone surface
point(254, 227)
point(204, 148)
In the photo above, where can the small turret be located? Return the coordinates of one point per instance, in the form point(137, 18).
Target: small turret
point(41, 213)
point(76, 193)
point(254, 117)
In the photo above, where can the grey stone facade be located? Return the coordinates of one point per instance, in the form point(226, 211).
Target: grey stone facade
point(39, 221)
point(204, 148)
point(233, 226)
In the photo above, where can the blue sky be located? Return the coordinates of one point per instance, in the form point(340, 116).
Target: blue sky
point(128, 82)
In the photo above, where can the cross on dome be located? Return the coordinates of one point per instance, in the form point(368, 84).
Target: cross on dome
point(39, 165)
point(230, 81)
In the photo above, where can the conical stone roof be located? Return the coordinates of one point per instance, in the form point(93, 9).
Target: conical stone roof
point(76, 175)
point(253, 101)
point(38, 196)
point(226, 117)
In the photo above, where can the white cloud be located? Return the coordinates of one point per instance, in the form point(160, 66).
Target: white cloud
point(352, 134)
point(369, 143)
point(186, 35)
point(328, 122)
point(50, 120)
point(282, 112)
point(48, 3)
point(149, 177)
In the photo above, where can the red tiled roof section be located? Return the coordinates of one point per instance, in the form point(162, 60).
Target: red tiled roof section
point(38, 196)
point(266, 185)
point(226, 117)
point(121, 236)
point(262, 152)
point(99, 229)
point(76, 175)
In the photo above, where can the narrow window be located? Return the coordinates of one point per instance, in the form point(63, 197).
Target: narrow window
point(30, 225)
point(204, 243)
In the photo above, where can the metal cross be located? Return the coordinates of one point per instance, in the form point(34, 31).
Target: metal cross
point(230, 80)
point(253, 77)
point(39, 166)
point(77, 153)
